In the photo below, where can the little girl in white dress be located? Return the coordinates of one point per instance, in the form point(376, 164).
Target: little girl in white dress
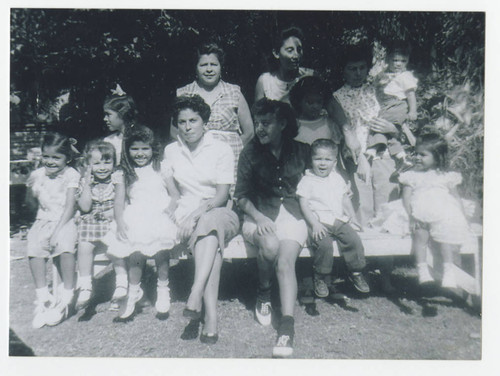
point(144, 228)
point(431, 199)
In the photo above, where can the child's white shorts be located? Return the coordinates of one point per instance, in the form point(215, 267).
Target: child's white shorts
point(39, 238)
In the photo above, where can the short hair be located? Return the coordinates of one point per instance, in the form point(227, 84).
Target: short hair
point(324, 143)
point(191, 102)
point(438, 146)
point(282, 111)
point(355, 53)
point(62, 144)
point(307, 85)
point(211, 48)
point(286, 33)
point(124, 105)
point(399, 47)
point(106, 149)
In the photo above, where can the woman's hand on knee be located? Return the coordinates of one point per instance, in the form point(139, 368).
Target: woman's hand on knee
point(186, 228)
point(265, 226)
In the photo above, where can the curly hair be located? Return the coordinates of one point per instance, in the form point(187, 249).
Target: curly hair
point(190, 102)
point(281, 111)
point(124, 105)
point(438, 146)
point(208, 48)
point(356, 53)
point(144, 134)
point(286, 33)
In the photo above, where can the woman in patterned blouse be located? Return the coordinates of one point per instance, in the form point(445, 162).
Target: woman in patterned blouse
point(230, 120)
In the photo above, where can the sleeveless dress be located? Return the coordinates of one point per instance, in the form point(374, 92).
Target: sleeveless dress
point(279, 90)
point(150, 229)
point(432, 203)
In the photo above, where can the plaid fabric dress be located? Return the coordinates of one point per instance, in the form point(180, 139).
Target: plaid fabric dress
point(95, 225)
point(223, 122)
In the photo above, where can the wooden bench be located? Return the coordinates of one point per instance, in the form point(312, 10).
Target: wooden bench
point(376, 244)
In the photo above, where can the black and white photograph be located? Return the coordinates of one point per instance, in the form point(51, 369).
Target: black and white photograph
point(246, 184)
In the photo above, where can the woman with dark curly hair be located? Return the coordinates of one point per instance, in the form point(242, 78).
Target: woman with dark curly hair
point(288, 51)
point(202, 167)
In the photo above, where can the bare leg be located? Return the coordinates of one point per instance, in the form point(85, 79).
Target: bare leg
point(66, 268)
point(285, 270)
point(420, 241)
point(266, 258)
point(136, 264)
point(211, 295)
point(119, 264)
point(162, 264)
point(85, 258)
point(38, 271)
point(205, 250)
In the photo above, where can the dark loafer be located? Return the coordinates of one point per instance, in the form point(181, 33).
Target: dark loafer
point(209, 339)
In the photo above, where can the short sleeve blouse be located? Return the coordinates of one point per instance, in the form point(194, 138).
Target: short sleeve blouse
point(51, 191)
point(224, 110)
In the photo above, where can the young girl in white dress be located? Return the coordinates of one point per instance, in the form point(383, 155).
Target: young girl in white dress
point(52, 189)
point(431, 199)
point(144, 228)
point(96, 198)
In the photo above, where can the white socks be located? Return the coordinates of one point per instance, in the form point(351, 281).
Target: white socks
point(424, 275)
point(43, 294)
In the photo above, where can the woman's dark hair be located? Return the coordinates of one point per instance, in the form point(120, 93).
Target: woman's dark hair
point(144, 134)
point(124, 105)
point(353, 54)
point(106, 149)
point(281, 111)
point(438, 146)
point(191, 102)
point(208, 48)
point(62, 144)
point(284, 34)
point(324, 143)
point(399, 47)
point(307, 85)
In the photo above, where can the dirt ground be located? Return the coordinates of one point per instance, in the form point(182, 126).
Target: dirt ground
point(375, 327)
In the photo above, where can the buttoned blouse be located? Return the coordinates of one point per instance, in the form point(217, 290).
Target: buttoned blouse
point(224, 110)
point(269, 182)
point(197, 173)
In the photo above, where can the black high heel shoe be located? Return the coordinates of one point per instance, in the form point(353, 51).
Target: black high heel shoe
point(191, 314)
point(209, 339)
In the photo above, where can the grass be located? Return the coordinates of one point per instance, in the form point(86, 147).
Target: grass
point(374, 327)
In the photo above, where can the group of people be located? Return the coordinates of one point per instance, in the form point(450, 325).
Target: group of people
point(289, 169)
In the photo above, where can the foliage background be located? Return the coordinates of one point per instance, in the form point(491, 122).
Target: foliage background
point(150, 53)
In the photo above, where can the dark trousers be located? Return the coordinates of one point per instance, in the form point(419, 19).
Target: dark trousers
point(350, 247)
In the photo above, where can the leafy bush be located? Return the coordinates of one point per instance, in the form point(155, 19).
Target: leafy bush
point(150, 53)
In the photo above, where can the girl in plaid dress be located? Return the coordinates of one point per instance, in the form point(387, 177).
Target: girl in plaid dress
point(96, 201)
